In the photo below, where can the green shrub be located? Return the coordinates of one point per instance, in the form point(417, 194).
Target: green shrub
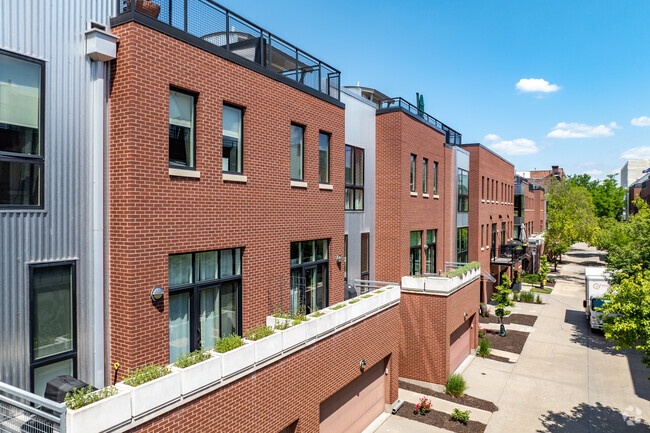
point(462, 270)
point(188, 359)
point(354, 301)
point(366, 296)
point(530, 278)
point(339, 306)
point(145, 374)
point(515, 296)
point(461, 416)
point(258, 332)
point(226, 344)
point(378, 291)
point(84, 396)
point(456, 385)
point(526, 296)
point(484, 347)
point(317, 313)
point(538, 299)
point(281, 326)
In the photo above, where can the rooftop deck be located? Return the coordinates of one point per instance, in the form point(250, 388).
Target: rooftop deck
point(210, 22)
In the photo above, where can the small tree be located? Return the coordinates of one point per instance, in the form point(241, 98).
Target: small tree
point(502, 298)
point(543, 269)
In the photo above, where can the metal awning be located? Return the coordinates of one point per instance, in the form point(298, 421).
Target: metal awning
point(488, 276)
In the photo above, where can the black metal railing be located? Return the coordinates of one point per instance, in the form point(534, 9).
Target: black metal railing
point(217, 25)
point(509, 252)
point(452, 136)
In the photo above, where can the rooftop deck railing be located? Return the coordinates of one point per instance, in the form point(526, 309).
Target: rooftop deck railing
point(22, 411)
point(219, 26)
point(451, 136)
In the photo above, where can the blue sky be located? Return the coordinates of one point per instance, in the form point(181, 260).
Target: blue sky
point(542, 82)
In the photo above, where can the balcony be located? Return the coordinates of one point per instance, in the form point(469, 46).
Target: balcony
point(451, 136)
point(508, 254)
point(443, 285)
point(205, 23)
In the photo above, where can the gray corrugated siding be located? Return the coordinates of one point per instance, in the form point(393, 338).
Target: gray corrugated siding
point(53, 31)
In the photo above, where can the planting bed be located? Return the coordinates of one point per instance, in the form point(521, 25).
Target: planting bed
point(513, 342)
point(466, 400)
point(440, 419)
point(516, 318)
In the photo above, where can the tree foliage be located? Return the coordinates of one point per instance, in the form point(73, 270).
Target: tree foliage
point(607, 196)
point(571, 218)
point(502, 298)
point(626, 314)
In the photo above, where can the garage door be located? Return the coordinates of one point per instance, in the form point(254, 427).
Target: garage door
point(356, 405)
point(459, 350)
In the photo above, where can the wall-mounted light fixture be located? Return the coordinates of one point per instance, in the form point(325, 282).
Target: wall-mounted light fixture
point(362, 366)
point(465, 315)
point(157, 294)
point(339, 259)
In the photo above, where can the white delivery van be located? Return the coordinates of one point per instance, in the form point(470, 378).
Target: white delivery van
point(596, 286)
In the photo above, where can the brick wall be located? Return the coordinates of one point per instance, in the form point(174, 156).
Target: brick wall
point(427, 323)
point(152, 215)
point(292, 388)
point(397, 212)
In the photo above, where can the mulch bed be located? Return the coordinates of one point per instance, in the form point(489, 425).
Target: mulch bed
point(519, 319)
point(466, 400)
point(440, 419)
point(513, 342)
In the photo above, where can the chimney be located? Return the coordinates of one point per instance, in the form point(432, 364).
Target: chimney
point(555, 169)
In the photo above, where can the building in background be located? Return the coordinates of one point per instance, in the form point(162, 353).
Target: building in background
point(630, 174)
point(530, 221)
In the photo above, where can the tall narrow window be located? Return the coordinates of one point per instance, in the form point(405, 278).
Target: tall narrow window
point(309, 289)
point(297, 152)
point(365, 256)
point(345, 258)
point(481, 244)
point(431, 251)
point(416, 253)
point(463, 190)
point(21, 136)
point(53, 323)
point(435, 178)
point(323, 158)
point(204, 299)
point(425, 169)
point(232, 140)
point(503, 233)
point(413, 158)
point(181, 129)
point(482, 190)
point(461, 245)
point(354, 178)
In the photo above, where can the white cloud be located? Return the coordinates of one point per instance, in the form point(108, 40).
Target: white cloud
point(595, 172)
point(519, 146)
point(641, 121)
point(536, 85)
point(491, 137)
point(642, 152)
point(580, 130)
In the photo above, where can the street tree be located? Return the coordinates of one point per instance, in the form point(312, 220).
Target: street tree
point(609, 198)
point(628, 244)
point(502, 298)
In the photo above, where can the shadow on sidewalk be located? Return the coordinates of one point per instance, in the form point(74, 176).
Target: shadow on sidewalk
point(594, 419)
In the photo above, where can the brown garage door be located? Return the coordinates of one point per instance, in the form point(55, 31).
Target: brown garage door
point(356, 405)
point(459, 340)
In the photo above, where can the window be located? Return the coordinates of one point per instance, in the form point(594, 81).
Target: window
point(204, 299)
point(297, 152)
point(463, 190)
point(416, 253)
point(461, 245)
point(431, 251)
point(365, 256)
point(232, 140)
point(488, 189)
point(323, 158)
point(481, 244)
point(503, 233)
point(182, 109)
point(53, 322)
point(425, 166)
point(22, 81)
point(482, 188)
point(354, 167)
point(309, 276)
point(413, 158)
point(345, 258)
point(435, 178)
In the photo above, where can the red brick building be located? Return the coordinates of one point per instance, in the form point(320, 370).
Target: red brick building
point(226, 189)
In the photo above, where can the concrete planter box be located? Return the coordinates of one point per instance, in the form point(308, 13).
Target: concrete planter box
point(374, 302)
point(340, 315)
point(267, 347)
point(152, 395)
point(393, 293)
point(294, 336)
point(357, 310)
point(237, 360)
point(414, 283)
point(325, 323)
point(199, 376)
point(102, 415)
point(311, 328)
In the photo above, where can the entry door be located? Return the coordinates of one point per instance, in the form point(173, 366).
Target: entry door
point(494, 240)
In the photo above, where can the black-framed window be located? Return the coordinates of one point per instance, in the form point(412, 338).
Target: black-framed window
point(425, 169)
point(415, 260)
point(233, 139)
point(182, 129)
point(354, 178)
point(431, 251)
point(365, 256)
point(22, 97)
point(297, 152)
point(309, 275)
point(413, 160)
point(463, 190)
point(461, 244)
point(503, 233)
point(345, 258)
point(435, 178)
point(205, 299)
point(323, 157)
point(53, 322)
